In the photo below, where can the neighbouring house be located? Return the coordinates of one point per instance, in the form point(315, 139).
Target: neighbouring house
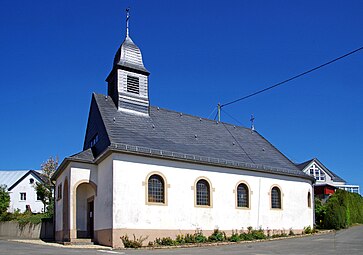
point(155, 172)
point(21, 189)
point(326, 180)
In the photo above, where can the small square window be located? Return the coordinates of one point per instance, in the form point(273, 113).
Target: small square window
point(22, 196)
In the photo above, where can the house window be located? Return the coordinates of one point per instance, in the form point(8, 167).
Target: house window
point(275, 198)
point(242, 195)
point(156, 189)
point(59, 192)
point(39, 196)
point(309, 199)
point(132, 84)
point(317, 173)
point(31, 180)
point(94, 140)
point(203, 193)
point(22, 196)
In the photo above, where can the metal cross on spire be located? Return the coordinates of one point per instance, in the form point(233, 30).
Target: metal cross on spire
point(127, 21)
point(252, 123)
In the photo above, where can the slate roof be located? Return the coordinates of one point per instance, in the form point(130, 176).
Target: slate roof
point(171, 134)
point(129, 56)
point(334, 177)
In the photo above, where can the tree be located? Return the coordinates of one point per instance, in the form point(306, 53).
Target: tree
point(45, 190)
point(4, 199)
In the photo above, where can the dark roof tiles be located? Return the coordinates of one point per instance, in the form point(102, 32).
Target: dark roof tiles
point(170, 132)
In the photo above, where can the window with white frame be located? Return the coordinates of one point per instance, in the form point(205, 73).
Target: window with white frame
point(317, 173)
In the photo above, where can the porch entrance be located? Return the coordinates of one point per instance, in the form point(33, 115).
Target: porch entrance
point(85, 194)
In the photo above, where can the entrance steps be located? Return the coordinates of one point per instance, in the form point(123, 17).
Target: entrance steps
point(80, 241)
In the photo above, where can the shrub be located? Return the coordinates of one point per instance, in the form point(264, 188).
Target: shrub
point(199, 237)
point(189, 238)
point(308, 230)
point(180, 239)
point(136, 243)
point(166, 241)
point(217, 236)
point(341, 210)
point(235, 237)
point(258, 234)
point(246, 236)
point(4, 199)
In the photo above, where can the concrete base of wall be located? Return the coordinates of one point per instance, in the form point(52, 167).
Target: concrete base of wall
point(43, 230)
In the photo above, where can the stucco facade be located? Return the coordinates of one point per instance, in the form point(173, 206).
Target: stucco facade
point(121, 207)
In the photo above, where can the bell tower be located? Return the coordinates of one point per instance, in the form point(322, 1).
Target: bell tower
point(128, 80)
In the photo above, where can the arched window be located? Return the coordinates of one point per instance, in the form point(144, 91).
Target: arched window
point(309, 199)
point(156, 189)
point(203, 193)
point(243, 196)
point(276, 198)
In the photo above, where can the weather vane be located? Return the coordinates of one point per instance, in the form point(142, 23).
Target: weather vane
point(127, 21)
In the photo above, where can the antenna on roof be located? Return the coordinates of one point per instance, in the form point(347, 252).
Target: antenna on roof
point(252, 123)
point(219, 112)
point(127, 21)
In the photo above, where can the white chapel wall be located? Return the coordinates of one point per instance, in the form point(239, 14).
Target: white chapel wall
point(131, 210)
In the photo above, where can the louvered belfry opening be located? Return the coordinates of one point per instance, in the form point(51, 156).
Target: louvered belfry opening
point(132, 84)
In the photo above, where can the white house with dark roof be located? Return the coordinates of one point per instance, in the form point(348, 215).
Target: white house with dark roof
point(155, 172)
point(20, 185)
point(326, 180)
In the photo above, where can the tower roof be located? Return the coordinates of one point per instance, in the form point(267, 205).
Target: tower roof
point(129, 55)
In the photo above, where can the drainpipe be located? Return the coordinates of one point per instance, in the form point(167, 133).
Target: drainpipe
point(258, 208)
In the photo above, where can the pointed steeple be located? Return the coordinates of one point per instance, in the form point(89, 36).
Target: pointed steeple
point(128, 80)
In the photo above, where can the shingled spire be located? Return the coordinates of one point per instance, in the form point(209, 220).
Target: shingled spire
point(128, 80)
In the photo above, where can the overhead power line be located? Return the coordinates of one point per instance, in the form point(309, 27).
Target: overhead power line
point(293, 78)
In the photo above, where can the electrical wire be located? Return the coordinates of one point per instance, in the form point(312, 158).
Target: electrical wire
point(294, 77)
point(232, 117)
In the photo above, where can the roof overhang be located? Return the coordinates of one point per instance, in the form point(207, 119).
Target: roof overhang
point(155, 153)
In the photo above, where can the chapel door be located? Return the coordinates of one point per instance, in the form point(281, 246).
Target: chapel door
point(90, 217)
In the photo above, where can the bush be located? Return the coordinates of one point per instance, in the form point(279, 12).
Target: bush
point(166, 241)
point(341, 210)
point(308, 230)
point(235, 237)
point(180, 239)
point(136, 243)
point(199, 237)
point(246, 237)
point(4, 199)
point(258, 234)
point(189, 238)
point(217, 236)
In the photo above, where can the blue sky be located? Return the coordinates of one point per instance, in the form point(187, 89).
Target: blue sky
point(54, 54)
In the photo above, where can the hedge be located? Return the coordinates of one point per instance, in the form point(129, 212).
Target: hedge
point(341, 210)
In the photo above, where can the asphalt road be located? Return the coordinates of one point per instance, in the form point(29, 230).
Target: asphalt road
point(348, 241)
